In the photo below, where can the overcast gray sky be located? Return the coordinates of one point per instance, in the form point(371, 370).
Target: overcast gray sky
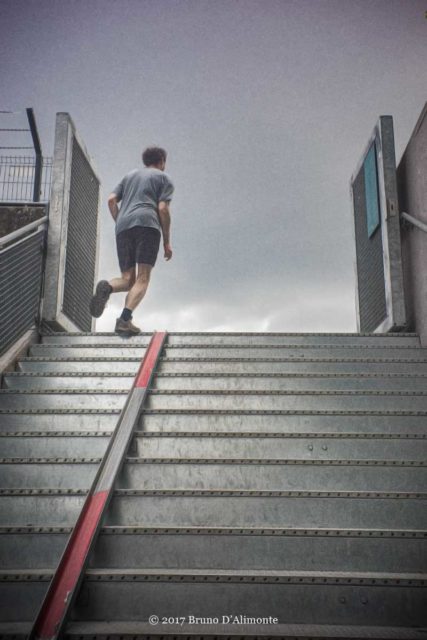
point(264, 107)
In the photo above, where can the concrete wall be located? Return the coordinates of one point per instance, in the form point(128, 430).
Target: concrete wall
point(412, 191)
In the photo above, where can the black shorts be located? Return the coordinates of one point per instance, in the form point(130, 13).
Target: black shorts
point(138, 245)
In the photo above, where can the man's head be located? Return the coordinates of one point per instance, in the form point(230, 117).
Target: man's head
point(154, 157)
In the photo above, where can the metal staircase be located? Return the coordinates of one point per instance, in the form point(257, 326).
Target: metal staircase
point(275, 486)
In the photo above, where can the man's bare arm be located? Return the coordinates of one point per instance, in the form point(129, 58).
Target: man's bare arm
point(113, 205)
point(165, 223)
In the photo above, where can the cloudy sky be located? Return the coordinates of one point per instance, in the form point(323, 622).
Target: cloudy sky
point(264, 107)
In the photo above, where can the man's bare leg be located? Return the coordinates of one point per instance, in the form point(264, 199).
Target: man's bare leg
point(139, 288)
point(104, 289)
point(124, 324)
point(125, 283)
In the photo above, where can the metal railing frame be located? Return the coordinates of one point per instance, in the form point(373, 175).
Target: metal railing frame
point(39, 163)
point(10, 242)
point(410, 221)
point(14, 235)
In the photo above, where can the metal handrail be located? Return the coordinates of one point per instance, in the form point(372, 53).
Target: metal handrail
point(417, 223)
point(22, 231)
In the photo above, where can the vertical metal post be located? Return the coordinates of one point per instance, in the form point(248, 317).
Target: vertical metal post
point(38, 152)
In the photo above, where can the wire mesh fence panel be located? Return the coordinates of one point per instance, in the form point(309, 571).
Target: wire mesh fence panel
point(80, 264)
point(21, 267)
point(17, 175)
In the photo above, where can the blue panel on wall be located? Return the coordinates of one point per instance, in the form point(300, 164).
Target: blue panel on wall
point(371, 191)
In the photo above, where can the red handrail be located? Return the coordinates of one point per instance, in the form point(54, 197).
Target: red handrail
point(70, 571)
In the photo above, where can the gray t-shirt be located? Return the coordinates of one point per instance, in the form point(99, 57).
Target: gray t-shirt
point(140, 192)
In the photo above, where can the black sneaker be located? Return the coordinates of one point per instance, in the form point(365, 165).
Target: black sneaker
point(100, 298)
point(125, 327)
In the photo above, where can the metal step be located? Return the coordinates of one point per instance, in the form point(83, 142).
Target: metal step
point(304, 448)
point(175, 339)
point(176, 445)
point(291, 597)
point(401, 353)
point(51, 421)
point(29, 548)
point(132, 629)
point(236, 382)
point(21, 595)
point(315, 597)
point(286, 422)
point(58, 445)
point(221, 421)
point(82, 366)
point(290, 401)
point(302, 366)
point(295, 509)
point(332, 382)
point(256, 350)
point(40, 509)
point(57, 380)
point(276, 549)
point(93, 339)
point(263, 510)
point(277, 476)
point(200, 548)
point(55, 399)
point(217, 474)
point(48, 473)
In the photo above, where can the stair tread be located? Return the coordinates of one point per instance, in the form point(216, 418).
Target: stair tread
point(239, 531)
point(124, 628)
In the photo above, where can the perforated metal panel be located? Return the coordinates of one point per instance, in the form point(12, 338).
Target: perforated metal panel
point(73, 239)
point(369, 259)
point(21, 267)
point(379, 279)
point(80, 261)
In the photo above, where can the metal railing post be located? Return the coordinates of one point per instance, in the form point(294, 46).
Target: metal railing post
point(38, 152)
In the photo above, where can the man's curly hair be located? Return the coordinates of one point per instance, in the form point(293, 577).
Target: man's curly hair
point(153, 155)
